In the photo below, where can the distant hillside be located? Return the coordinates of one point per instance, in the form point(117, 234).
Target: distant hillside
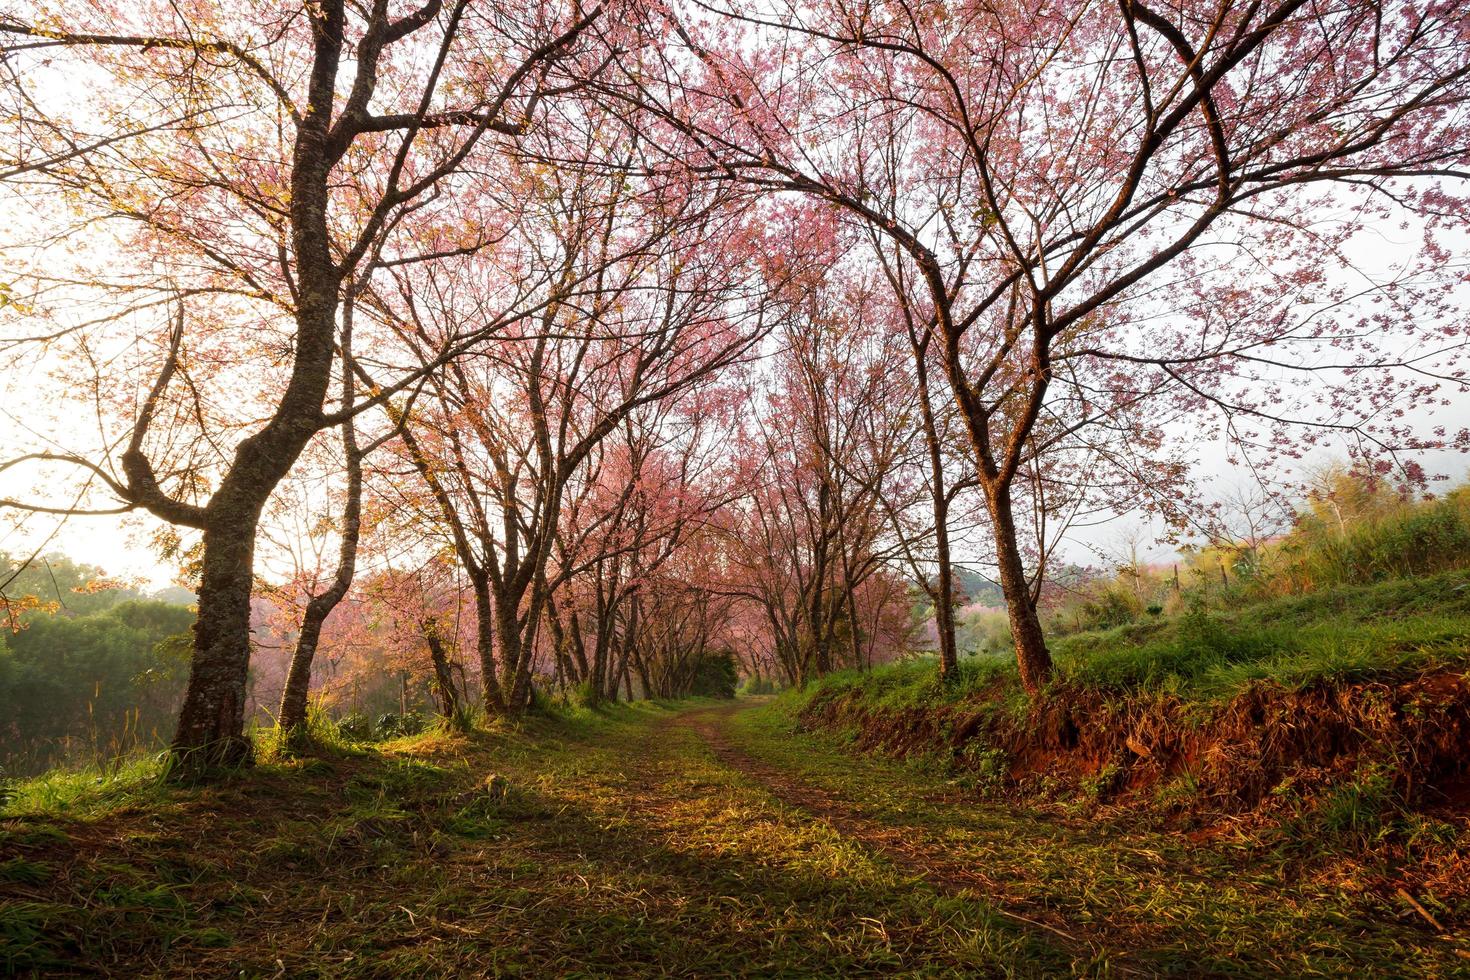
point(971, 587)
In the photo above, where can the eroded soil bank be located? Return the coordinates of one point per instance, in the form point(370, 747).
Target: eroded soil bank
point(1379, 767)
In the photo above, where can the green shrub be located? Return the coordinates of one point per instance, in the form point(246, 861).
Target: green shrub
point(1391, 539)
point(715, 676)
point(757, 685)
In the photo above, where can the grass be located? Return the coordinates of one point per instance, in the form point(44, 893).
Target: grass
point(89, 792)
point(591, 843)
point(1148, 901)
point(616, 842)
point(1347, 633)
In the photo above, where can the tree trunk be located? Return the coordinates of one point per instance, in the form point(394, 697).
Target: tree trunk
point(642, 668)
point(944, 616)
point(944, 601)
point(292, 719)
point(211, 729)
point(516, 676)
point(1032, 658)
point(444, 692)
point(485, 647)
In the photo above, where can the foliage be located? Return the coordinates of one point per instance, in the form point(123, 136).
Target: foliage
point(1352, 530)
point(59, 584)
point(388, 725)
point(715, 676)
point(92, 687)
point(756, 686)
point(1380, 536)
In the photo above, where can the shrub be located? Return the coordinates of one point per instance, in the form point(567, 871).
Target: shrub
point(757, 685)
point(715, 676)
point(1394, 539)
point(390, 725)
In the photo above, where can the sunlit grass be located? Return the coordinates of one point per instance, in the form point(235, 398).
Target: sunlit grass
point(1348, 633)
point(88, 792)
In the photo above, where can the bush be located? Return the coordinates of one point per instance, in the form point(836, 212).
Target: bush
point(1112, 606)
point(390, 725)
point(757, 685)
point(355, 726)
point(715, 676)
point(1393, 539)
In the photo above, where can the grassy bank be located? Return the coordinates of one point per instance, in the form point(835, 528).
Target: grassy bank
point(1331, 726)
point(1152, 902)
point(1394, 629)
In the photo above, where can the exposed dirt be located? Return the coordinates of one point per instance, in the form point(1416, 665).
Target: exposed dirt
point(1264, 748)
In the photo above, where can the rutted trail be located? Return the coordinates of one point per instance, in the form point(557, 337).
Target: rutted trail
point(902, 848)
point(1117, 897)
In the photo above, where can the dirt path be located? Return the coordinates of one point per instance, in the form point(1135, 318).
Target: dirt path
point(901, 848)
point(647, 840)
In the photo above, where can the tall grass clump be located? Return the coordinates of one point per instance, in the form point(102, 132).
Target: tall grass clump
point(87, 792)
point(321, 735)
point(1395, 539)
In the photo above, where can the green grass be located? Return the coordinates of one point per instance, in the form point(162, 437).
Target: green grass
point(90, 792)
point(596, 842)
point(914, 683)
point(1349, 633)
point(614, 842)
point(1148, 901)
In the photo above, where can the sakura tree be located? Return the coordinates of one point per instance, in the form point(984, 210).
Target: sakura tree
point(827, 431)
point(652, 286)
point(650, 499)
point(240, 164)
point(1117, 217)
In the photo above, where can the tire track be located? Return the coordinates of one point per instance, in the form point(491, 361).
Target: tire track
point(900, 846)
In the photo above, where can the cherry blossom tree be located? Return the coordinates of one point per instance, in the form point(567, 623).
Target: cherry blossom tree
point(829, 429)
point(654, 286)
point(650, 499)
point(257, 154)
point(1119, 216)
